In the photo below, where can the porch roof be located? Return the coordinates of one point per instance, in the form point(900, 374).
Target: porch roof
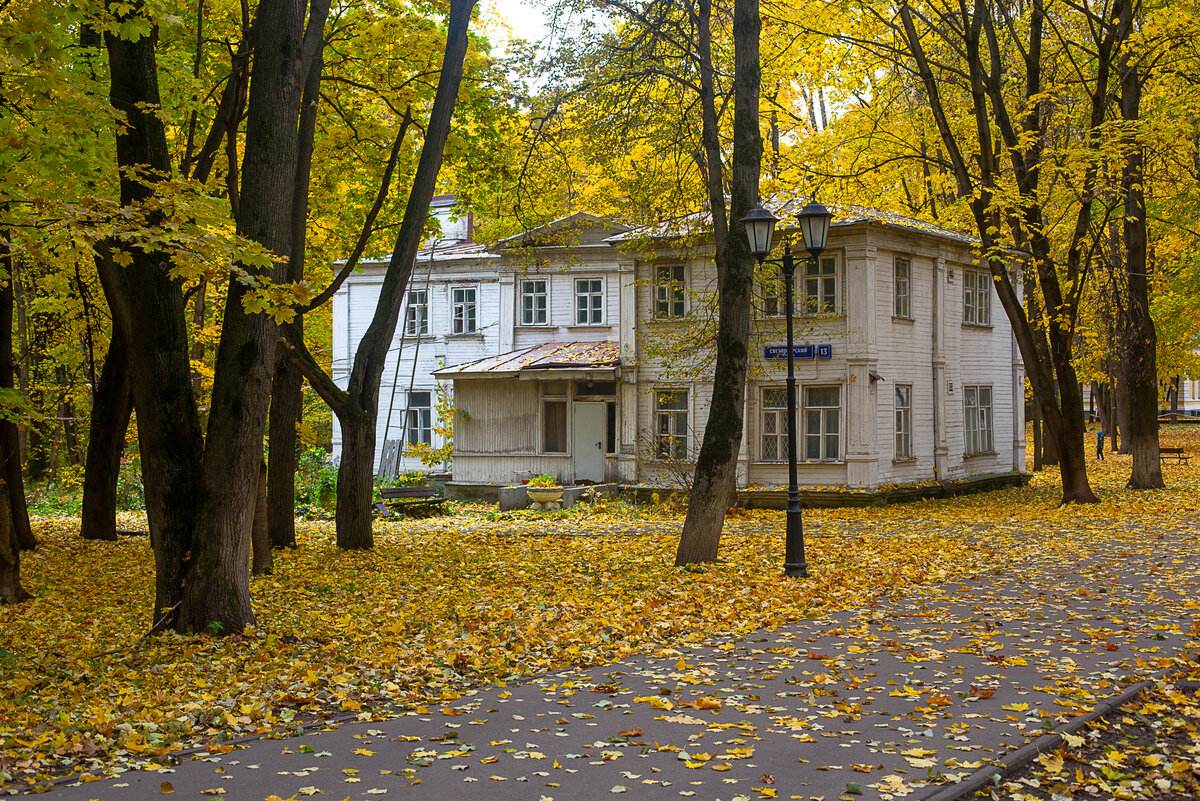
point(597, 358)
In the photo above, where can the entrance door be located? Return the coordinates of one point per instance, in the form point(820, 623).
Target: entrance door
point(591, 420)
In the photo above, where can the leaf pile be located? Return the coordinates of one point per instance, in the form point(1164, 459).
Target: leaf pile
point(448, 603)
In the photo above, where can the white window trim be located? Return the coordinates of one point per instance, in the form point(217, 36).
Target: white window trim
point(800, 286)
point(781, 433)
point(802, 429)
point(412, 412)
point(658, 286)
point(603, 301)
point(981, 298)
point(689, 396)
point(907, 313)
point(454, 316)
point(521, 302)
point(989, 447)
point(908, 430)
point(422, 330)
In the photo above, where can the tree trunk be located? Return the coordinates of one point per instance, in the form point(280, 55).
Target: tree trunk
point(11, 591)
point(262, 558)
point(287, 400)
point(355, 487)
point(111, 409)
point(217, 593)
point(1038, 442)
point(1123, 410)
point(148, 306)
point(716, 466)
point(1141, 341)
point(10, 443)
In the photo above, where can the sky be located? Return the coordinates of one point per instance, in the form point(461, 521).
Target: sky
point(525, 19)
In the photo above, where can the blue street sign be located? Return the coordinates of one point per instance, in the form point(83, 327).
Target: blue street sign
point(798, 351)
point(824, 351)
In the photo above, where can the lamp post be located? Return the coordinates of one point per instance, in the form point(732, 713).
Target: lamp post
point(813, 221)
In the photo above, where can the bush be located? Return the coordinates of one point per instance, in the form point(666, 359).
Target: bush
point(316, 482)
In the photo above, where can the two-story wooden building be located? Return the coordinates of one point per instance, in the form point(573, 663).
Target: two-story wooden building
point(581, 349)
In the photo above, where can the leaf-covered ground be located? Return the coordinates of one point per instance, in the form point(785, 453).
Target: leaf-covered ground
point(473, 598)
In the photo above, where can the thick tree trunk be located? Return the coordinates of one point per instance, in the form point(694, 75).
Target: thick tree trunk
point(11, 591)
point(111, 409)
point(283, 459)
point(355, 487)
point(10, 443)
point(262, 558)
point(716, 466)
point(1141, 341)
point(1124, 408)
point(1072, 448)
point(1038, 440)
point(217, 593)
point(148, 306)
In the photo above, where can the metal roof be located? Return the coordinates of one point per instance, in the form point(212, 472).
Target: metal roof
point(597, 356)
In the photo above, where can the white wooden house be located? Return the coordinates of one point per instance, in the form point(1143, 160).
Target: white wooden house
point(555, 344)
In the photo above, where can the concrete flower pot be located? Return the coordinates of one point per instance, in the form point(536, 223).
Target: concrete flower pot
point(545, 497)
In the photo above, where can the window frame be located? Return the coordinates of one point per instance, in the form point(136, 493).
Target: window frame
point(902, 300)
point(828, 301)
point(544, 294)
point(458, 322)
point(977, 297)
point(979, 424)
point(670, 293)
point(416, 325)
point(902, 417)
point(562, 401)
point(669, 418)
point(422, 416)
point(589, 308)
point(823, 434)
point(778, 416)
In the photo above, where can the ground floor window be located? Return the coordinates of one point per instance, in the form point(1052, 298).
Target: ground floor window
point(977, 411)
point(774, 424)
point(903, 422)
point(554, 417)
point(419, 423)
point(822, 424)
point(671, 424)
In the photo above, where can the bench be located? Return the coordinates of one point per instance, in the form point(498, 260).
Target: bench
point(1175, 455)
point(396, 499)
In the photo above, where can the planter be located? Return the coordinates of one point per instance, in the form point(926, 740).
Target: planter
point(545, 497)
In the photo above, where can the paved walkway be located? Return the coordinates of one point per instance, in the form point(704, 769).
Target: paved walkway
point(889, 702)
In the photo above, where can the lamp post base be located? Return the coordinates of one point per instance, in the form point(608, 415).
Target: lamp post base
point(794, 563)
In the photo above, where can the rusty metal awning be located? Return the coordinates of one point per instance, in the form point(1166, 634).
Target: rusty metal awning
point(593, 358)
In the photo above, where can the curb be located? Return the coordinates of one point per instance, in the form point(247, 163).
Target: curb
point(1013, 761)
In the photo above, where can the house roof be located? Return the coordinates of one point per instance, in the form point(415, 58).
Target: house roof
point(844, 214)
point(551, 356)
point(572, 230)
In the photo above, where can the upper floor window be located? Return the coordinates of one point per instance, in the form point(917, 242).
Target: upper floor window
point(533, 302)
point(977, 413)
point(770, 288)
point(589, 301)
point(668, 291)
point(977, 297)
point(416, 316)
point(819, 285)
point(462, 307)
point(900, 288)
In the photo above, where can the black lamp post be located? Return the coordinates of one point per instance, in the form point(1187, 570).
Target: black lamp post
point(813, 220)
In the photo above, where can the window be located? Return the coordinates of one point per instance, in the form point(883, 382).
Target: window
point(903, 422)
point(419, 418)
point(977, 297)
point(533, 302)
point(774, 424)
point(822, 424)
point(903, 269)
point(671, 424)
point(462, 303)
point(770, 287)
point(977, 411)
point(668, 291)
point(820, 286)
point(416, 316)
point(589, 301)
point(554, 417)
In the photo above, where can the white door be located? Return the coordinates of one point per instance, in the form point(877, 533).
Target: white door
point(588, 441)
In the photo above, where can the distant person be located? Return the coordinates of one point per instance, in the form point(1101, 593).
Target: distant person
point(1100, 443)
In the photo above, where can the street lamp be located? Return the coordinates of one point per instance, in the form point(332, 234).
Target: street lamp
point(813, 221)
